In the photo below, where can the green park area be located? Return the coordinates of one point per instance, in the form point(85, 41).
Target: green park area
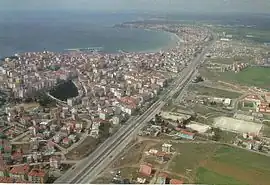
point(220, 164)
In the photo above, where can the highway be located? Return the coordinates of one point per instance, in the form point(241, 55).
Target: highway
point(88, 169)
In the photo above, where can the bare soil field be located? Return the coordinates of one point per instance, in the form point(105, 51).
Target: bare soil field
point(84, 149)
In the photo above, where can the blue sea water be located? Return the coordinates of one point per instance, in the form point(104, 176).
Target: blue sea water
point(56, 31)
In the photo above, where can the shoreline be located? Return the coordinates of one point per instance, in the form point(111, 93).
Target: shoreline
point(173, 43)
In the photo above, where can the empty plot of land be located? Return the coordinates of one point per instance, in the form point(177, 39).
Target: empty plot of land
point(85, 148)
point(235, 125)
point(209, 91)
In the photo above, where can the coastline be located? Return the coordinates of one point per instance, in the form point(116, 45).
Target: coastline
point(174, 42)
point(171, 41)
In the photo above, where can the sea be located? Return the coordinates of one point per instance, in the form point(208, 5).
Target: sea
point(32, 31)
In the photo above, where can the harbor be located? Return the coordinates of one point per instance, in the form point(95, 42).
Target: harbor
point(91, 49)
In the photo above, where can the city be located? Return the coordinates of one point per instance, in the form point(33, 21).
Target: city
point(111, 89)
point(195, 111)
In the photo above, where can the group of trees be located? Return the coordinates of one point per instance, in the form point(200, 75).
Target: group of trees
point(217, 134)
point(45, 100)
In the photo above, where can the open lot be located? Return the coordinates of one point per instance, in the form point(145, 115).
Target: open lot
point(235, 125)
point(255, 76)
point(88, 146)
point(230, 60)
point(236, 165)
point(28, 106)
point(189, 158)
point(258, 35)
point(207, 163)
point(205, 175)
point(207, 91)
point(251, 76)
point(220, 164)
point(133, 156)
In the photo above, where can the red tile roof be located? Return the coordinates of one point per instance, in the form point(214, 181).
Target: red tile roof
point(50, 143)
point(37, 173)
point(145, 169)
point(19, 181)
point(187, 133)
point(23, 169)
point(66, 140)
point(161, 154)
point(17, 155)
point(6, 180)
point(176, 181)
point(3, 165)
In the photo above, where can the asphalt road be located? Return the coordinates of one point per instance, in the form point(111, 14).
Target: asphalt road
point(87, 170)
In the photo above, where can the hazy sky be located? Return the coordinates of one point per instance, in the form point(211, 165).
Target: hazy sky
point(253, 6)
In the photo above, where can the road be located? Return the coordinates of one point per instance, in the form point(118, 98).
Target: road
point(88, 169)
point(21, 136)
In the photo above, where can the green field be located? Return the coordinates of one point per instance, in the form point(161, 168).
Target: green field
point(190, 156)
point(207, 91)
point(248, 104)
point(258, 35)
point(231, 60)
point(242, 159)
point(220, 164)
point(205, 175)
point(254, 76)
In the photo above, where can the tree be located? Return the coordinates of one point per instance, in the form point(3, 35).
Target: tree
point(45, 100)
point(217, 134)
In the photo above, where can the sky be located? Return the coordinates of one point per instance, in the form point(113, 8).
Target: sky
point(199, 6)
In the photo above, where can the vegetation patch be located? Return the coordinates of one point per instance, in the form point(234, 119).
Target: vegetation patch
point(254, 76)
point(231, 60)
point(248, 104)
point(65, 90)
point(244, 33)
point(208, 91)
point(242, 158)
point(207, 176)
point(220, 164)
point(134, 155)
point(190, 156)
point(85, 148)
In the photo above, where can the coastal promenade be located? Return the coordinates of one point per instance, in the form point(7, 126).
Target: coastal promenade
point(88, 170)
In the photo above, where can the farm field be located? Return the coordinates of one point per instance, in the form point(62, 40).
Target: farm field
point(219, 164)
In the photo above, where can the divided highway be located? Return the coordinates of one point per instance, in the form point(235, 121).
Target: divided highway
point(89, 168)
